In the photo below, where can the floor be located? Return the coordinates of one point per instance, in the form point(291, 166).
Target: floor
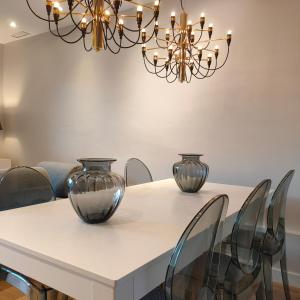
point(9, 293)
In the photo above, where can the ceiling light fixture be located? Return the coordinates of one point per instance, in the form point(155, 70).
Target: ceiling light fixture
point(99, 23)
point(13, 24)
point(189, 50)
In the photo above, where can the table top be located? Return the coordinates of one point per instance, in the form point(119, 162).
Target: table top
point(148, 223)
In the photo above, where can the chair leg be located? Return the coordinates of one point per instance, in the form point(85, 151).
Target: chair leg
point(267, 265)
point(284, 276)
point(260, 293)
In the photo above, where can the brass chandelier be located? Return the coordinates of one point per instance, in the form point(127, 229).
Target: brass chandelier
point(189, 50)
point(99, 24)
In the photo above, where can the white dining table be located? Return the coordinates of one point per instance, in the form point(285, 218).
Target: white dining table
point(122, 259)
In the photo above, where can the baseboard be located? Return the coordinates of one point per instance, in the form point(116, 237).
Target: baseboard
point(294, 278)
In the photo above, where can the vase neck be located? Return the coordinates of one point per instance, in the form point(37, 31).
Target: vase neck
point(189, 156)
point(102, 165)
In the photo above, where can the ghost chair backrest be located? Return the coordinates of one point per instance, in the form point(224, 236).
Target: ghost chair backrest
point(136, 172)
point(24, 186)
point(193, 269)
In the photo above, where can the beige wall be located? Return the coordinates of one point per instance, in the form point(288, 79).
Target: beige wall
point(61, 103)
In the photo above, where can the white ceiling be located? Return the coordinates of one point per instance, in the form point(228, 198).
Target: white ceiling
point(18, 11)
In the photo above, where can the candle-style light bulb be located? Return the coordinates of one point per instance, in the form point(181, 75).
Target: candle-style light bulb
point(173, 18)
point(121, 22)
point(139, 15)
point(143, 35)
point(216, 51)
point(144, 48)
point(189, 22)
point(167, 35)
point(229, 37)
point(210, 30)
point(202, 20)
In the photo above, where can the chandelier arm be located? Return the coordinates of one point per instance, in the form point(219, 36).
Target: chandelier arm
point(198, 66)
point(89, 5)
point(66, 41)
point(41, 18)
point(113, 38)
point(202, 75)
point(112, 33)
point(157, 73)
point(147, 67)
point(171, 81)
point(85, 47)
point(151, 63)
point(60, 35)
point(160, 46)
point(136, 30)
point(133, 42)
point(199, 39)
point(225, 60)
point(149, 39)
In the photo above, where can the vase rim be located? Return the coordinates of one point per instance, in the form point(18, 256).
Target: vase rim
point(96, 160)
point(190, 154)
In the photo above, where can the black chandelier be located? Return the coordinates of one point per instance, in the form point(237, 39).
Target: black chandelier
point(189, 50)
point(99, 24)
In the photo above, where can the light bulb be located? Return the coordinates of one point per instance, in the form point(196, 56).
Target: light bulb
point(167, 31)
point(173, 14)
point(217, 47)
point(121, 21)
point(107, 13)
point(189, 22)
point(170, 47)
point(192, 33)
point(200, 48)
point(209, 55)
point(60, 8)
point(56, 5)
point(84, 20)
point(156, 23)
point(155, 54)
point(156, 3)
point(139, 8)
point(202, 15)
point(143, 30)
point(211, 25)
point(229, 32)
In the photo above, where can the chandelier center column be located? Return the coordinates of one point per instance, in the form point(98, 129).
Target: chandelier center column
point(98, 34)
point(182, 57)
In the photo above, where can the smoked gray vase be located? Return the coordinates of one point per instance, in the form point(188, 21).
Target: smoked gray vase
point(190, 173)
point(96, 192)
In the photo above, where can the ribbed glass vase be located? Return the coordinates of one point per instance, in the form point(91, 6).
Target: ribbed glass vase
point(96, 192)
point(190, 173)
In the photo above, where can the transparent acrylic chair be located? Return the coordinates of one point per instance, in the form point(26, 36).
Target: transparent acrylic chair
point(136, 172)
point(193, 269)
point(241, 272)
point(274, 244)
point(19, 187)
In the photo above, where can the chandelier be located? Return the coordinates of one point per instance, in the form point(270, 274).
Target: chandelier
point(99, 24)
point(189, 50)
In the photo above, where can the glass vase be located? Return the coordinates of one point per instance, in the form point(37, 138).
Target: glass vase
point(96, 192)
point(190, 173)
